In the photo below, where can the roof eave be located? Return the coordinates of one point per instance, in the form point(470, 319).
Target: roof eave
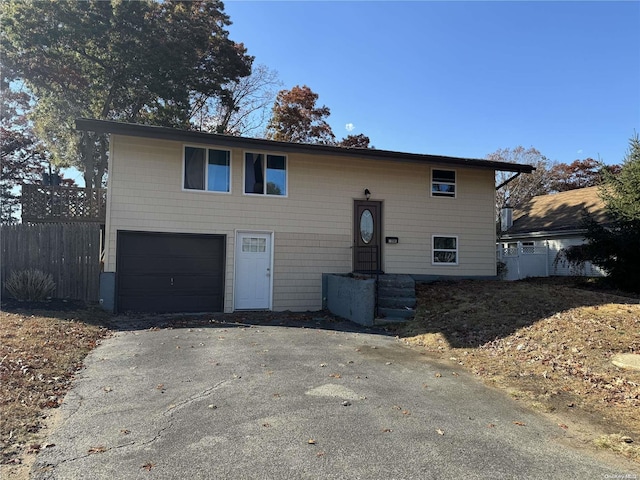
point(166, 133)
point(543, 233)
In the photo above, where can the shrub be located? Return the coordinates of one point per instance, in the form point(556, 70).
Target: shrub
point(615, 247)
point(501, 269)
point(575, 257)
point(30, 285)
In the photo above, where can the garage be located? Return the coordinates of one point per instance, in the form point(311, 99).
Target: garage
point(170, 272)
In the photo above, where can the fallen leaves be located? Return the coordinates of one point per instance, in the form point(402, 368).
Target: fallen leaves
point(39, 355)
point(98, 449)
point(33, 448)
point(148, 466)
point(549, 340)
point(520, 424)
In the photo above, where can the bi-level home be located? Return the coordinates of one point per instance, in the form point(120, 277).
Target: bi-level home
point(205, 222)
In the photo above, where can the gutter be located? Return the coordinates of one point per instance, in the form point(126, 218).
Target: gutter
point(543, 234)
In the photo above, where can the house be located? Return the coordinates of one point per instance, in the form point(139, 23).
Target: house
point(534, 233)
point(206, 222)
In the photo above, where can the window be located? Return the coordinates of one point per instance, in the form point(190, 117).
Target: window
point(443, 183)
point(254, 245)
point(207, 169)
point(265, 178)
point(445, 250)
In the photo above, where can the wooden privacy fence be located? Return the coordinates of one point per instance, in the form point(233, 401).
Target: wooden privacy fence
point(69, 252)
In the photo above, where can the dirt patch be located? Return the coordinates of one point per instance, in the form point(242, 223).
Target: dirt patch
point(548, 343)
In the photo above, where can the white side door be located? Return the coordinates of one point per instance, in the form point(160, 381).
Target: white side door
point(253, 271)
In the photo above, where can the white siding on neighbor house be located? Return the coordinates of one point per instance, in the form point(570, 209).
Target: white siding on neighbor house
point(523, 264)
point(313, 225)
point(562, 268)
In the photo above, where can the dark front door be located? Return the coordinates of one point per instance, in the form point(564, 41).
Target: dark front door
point(367, 233)
point(168, 272)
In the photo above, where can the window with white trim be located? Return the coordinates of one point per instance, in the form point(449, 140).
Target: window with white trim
point(207, 169)
point(250, 244)
point(443, 183)
point(265, 174)
point(444, 250)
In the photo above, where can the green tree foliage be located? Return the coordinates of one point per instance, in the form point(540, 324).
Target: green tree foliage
point(141, 61)
point(21, 157)
point(615, 247)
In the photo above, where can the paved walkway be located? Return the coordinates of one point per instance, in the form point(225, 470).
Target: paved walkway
point(272, 402)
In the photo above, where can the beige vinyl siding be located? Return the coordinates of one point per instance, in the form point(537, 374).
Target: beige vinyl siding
point(313, 225)
point(300, 260)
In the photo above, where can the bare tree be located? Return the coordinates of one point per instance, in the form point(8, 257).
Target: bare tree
point(523, 187)
point(245, 107)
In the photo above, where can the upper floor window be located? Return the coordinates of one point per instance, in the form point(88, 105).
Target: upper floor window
point(265, 174)
point(443, 183)
point(207, 169)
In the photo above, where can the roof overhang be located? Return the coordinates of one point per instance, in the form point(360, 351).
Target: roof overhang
point(166, 133)
point(543, 234)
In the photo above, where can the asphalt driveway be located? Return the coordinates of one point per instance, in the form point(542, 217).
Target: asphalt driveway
point(228, 401)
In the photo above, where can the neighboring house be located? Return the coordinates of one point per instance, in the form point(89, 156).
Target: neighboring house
point(205, 222)
point(534, 233)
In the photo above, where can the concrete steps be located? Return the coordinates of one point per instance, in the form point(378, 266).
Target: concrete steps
point(396, 299)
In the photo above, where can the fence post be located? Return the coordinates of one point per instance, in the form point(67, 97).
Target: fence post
point(546, 257)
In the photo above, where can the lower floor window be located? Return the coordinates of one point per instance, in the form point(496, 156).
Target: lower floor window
point(445, 250)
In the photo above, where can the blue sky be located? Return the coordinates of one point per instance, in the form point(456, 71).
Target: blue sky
point(460, 78)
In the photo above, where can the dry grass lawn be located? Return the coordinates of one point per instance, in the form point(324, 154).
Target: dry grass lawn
point(548, 342)
point(40, 351)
